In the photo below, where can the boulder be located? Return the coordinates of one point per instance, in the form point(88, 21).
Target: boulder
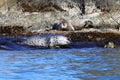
point(110, 45)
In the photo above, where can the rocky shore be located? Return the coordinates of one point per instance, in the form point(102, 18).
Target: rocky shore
point(60, 24)
point(64, 39)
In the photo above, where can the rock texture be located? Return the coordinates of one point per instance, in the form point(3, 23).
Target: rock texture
point(110, 45)
point(43, 13)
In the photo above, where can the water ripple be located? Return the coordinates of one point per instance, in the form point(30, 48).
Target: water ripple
point(60, 64)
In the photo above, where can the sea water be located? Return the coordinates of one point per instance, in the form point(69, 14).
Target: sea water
point(60, 64)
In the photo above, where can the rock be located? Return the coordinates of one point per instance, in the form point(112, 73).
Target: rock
point(110, 45)
point(47, 41)
point(63, 25)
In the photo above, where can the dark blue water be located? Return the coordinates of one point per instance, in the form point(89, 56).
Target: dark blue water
point(60, 64)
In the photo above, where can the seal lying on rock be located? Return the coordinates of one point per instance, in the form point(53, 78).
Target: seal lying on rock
point(63, 25)
point(83, 23)
point(47, 41)
point(88, 24)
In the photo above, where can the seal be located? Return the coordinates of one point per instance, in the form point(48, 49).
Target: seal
point(46, 41)
point(63, 25)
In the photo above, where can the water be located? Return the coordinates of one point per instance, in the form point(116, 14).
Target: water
point(60, 64)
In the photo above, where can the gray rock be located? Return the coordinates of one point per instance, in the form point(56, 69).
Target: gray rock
point(110, 45)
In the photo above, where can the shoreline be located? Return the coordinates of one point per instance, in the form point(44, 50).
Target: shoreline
point(96, 36)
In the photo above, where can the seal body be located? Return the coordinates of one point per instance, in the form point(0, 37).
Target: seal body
point(63, 25)
point(46, 41)
point(88, 24)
